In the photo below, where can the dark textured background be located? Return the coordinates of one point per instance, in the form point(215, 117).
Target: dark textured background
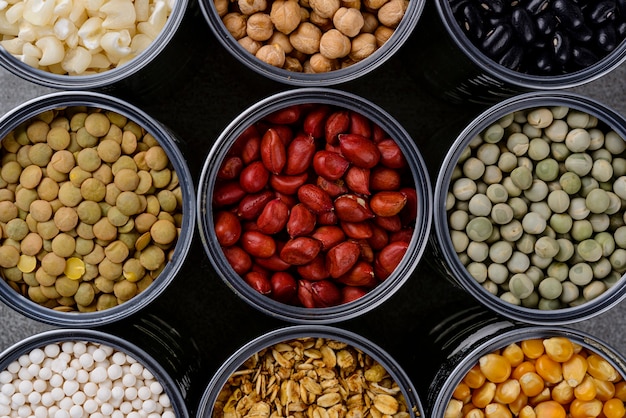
point(198, 105)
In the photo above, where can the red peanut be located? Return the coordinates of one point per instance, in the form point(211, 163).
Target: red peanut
point(251, 206)
point(227, 228)
point(388, 259)
point(284, 287)
point(358, 180)
point(258, 244)
point(258, 282)
point(337, 123)
point(359, 150)
point(387, 203)
point(300, 154)
point(352, 293)
point(227, 193)
point(332, 188)
point(384, 178)
point(313, 123)
point(238, 259)
point(301, 221)
point(287, 184)
point(329, 236)
point(361, 274)
point(360, 125)
point(254, 177)
point(318, 294)
point(352, 208)
point(273, 217)
point(314, 270)
point(341, 258)
point(314, 198)
point(357, 230)
point(285, 116)
point(230, 168)
point(273, 152)
point(329, 165)
point(300, 250)
point(390, 154)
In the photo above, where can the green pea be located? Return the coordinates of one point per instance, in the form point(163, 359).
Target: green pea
point(546, 247)
point(589, 250)
point(579, 163)
point(558, 201)
point(597, 201)
point(580, 274)
point(488, 153)
point(542, 209)
point(619, 166)
point(559, 112)
point(606, 241)
point(507, 161)
point(494, 133)
point(578, 209)
point(619, 187)
point(497, 193)
point(509, 297)
point(538, 149)
point(526, 243)
point(618, 260)
point(558, 270)
point(512, 231)
point(464, 189)
point(540, 118)
point(547, 169)
point(492, 175)
point(480, 205)
point(593, 290)
point(537, 192)
point(570, 182)
point(612, 279)
point(601, 268)
point(477, 251)
point(473, 168)
point(518, 263)
point(578, 140)
point(510, 187)
point(521, 286)
point(561, 223)
point(458, 220)
point(531, 301)
point(541, 262)
point(490, 287)
point(522, 177)
point(478, 271)
point(570, 292)
point(500, 252)
point(588, 184)
point(614, 143)
point(600, 222)
point(597, 139)
point(581, 230)
point(533, 223)
point(479, 228)
point(550, 288)
point(602, 170)
point(497, 273)
point(559, 150)
point(519, 206)
point(501, 213)
point(517, 143)
point(557, 131)
point(615, 204)
point(620, 236)
point(601, 154)
point(450, 200)
point(577, 119)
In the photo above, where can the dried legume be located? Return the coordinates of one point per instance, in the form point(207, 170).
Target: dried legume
point(544, 377)
point(324, 203)
point(80, 378)
point(552, 210)
point(75, 217)
point(311, 376)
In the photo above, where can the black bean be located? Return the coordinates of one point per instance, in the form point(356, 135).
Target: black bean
point(602, 11)
point(536, 6)
point(568, 13)
point(472, 22)
point(606, 38)
point(621, 6)
point(493, 6)
point(497, 40)
point(584, 57)
point(562, 47)
point(512, 58)
point(523, 25)
point(457, 5)
point(546, 23)
point(544, 63)
point(582, 34)
point(620, 29)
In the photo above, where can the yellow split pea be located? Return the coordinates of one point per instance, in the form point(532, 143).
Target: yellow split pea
point(90, 209)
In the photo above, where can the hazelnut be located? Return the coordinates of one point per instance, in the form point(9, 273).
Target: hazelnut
point(235, 23)
point(325, 8)
point(334, 44)
point(272, 55)
point(321, 64)
point(248, 7)
point(374, 4)
point(250, 44)
point(392, 12)
point(363, 45)
point(382, 34)
point(292, 64)
point(221, 7)
point(370, 22)
point(260, 27)
point(281, 40)
point(349, 21)
point(355, 4)
point(324, 23)
point(306, 38)
point(285, 15)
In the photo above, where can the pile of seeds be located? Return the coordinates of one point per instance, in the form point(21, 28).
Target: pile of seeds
point(536, 208)
point(90, 209)
point(309, 377)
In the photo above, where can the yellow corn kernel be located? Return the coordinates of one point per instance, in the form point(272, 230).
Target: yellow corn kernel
point(519, 403)
point(550, 409)
point(620, 390)
point(532, 348)
point(474, 378)
point(462, 392)
point(468, 407)
point(497, 410)
point(586, 391)
point(605, 390)
point(531, 384)
point(614, 408)
point(74, 268)
point(550, 370)
point(483, 396)
point(453, 410)
point(574, 370)
point(514, 354)
point(474, 413)
point(601, 369)
point(542, 397)
point(559, 349)
point(527, 412)
point(507, 391)
point(585, 409)
point(523, 368)
point(563, 393)
point(495, 367)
